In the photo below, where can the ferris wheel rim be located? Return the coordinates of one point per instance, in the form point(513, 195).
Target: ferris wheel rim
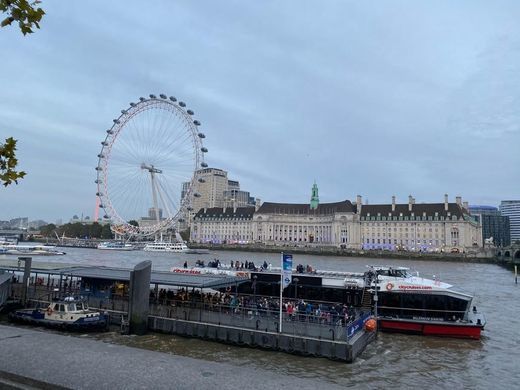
point(120, 224)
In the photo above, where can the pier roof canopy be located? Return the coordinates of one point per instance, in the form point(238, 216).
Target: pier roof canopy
point(157, 277)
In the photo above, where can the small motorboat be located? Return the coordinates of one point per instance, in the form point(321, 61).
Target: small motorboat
point(70, 313)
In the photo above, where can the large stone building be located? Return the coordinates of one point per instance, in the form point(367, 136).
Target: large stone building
point(213, 189)
point(416, 227)
point(427, 227)
point(222, 225)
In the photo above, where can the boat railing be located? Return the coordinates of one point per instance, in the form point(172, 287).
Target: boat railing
point(422, 313)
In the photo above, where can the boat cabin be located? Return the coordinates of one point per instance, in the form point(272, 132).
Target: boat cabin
point(68, 305)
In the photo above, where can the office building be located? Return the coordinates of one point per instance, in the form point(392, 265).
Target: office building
point(511, 209)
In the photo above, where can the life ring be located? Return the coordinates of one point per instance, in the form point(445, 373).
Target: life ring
point(389, 286)
point(49, 311)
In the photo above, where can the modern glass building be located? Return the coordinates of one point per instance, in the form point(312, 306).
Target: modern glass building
point(511, 209)
point(494, 225)
point(483, 210)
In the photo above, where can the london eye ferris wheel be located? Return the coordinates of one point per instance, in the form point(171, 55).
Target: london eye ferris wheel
point(149, 156)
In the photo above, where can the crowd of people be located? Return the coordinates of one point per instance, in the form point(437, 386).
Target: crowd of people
point(247, 266)
point(251, 305)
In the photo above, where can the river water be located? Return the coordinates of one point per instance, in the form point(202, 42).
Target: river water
point(393, 360)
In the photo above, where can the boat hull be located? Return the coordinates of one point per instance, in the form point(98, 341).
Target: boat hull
point(427, 328)
point(116, 249)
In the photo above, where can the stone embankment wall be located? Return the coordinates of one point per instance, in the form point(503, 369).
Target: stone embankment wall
point(477, 257)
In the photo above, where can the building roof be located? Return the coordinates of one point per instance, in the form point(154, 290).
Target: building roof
point(226, 213)
point(428, 209)
point(304, 208)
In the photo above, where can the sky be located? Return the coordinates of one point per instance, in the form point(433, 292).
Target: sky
point(376, 98)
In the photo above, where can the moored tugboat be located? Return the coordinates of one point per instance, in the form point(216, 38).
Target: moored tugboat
point(70, 313)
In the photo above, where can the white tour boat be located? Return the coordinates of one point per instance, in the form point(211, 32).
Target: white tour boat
point(33, 250)
point(163, 246)
point(116, 246)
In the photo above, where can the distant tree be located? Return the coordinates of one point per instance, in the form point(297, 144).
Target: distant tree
point(133, 222)
point(8, 162)
point(95, 230)
point(106, 232)
point(185, 234)
point(75, 229)
point(48, 230)
point(26, 13)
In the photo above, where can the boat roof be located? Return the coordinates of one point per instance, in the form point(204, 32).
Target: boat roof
point(387, 268)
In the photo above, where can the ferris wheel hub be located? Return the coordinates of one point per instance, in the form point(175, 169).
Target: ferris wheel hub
point(150, 168)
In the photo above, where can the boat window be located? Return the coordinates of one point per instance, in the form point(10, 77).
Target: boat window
point(71, 307)
point(62, 307)
point(56, 307)
point(79, 306)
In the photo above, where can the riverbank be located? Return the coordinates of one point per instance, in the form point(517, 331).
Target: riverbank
point(372, 254)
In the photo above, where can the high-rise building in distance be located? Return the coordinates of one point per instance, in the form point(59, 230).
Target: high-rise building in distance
point(511, 209)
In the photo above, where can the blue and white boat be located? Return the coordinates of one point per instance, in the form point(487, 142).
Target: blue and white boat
point(70, 313)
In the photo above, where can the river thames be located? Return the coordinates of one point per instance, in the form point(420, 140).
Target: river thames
point(393, 360)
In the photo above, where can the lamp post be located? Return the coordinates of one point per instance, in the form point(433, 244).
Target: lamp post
point(376, 299)
point(254, 288)
point(296, 280)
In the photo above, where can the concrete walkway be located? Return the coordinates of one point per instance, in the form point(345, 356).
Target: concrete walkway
point(48, 359)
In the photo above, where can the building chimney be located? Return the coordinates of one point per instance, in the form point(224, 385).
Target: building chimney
point(359, 203)
point(466, 206)
point(413, 200)
point(445, 202)
point(458, 199)
point(393, 202)
point(410, 202)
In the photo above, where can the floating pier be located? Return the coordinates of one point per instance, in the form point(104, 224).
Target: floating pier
point(110, 289)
